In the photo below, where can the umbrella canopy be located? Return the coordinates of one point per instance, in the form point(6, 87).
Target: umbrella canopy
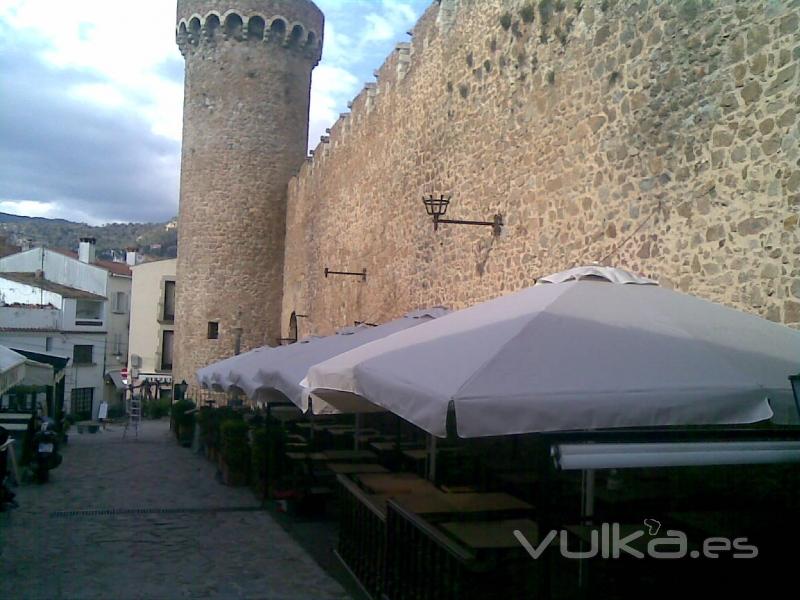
point(264, 371)
point(217, 376)
point(585, 353)
point(12, 368)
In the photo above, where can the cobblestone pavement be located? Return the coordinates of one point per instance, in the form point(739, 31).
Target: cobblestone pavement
point(200, 553)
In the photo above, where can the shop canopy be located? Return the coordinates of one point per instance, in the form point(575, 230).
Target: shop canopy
point(269, 373)
point(591, 348)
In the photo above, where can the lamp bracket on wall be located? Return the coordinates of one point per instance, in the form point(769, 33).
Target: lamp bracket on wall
point(362, 274)
point(437, 208)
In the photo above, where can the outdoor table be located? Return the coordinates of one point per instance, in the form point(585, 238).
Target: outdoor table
point(313, 456)
point(394, 483)
point(351, 468)
point(296, 447)
point(390, 446)
point(483, 535)
point(487, 502)
point(350, 455)
point(459, 489)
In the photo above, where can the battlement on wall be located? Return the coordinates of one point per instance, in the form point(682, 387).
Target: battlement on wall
point(213, 28)
point(388, 76)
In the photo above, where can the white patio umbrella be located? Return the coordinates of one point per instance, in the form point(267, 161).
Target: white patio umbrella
point(266, 371)
point(12, 368)
point(602, 348)
point(215, 376)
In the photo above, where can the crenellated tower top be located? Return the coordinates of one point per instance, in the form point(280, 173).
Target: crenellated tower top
point(296, 25)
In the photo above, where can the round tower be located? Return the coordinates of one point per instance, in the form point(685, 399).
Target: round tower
point(245, 134)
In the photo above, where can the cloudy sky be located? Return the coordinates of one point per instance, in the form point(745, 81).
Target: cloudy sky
point(91, 93)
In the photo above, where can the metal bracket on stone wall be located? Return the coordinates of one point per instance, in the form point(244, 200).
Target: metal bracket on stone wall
point(362, 274)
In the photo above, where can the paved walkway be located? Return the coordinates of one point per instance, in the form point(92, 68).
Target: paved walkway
point(193, 552)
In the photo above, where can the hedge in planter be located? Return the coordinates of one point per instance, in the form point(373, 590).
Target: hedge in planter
point(212, 419)
point(267, 457)
point(184, 423)
point(235, 451)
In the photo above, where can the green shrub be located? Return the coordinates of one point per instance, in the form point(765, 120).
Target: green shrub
point(234, 446)
point(505, 21)
point(155, 409)
point(267, 454)
point(182, 423)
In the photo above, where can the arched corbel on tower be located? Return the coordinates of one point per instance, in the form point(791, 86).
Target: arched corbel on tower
point(194, 30)
point(234, 26)
point(211, 26)
point(297, 35)
point(277, 29)
point(256, 27)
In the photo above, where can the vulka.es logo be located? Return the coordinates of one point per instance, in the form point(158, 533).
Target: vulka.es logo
point(608, 542)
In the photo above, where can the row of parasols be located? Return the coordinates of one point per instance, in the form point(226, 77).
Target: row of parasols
point(592, 348)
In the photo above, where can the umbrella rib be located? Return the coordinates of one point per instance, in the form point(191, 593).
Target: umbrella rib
point(522, 330)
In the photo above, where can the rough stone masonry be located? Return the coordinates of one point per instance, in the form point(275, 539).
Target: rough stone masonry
point(658, 136)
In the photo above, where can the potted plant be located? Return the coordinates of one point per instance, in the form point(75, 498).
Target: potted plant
point(267, 457)
point(184, 421)
point(235, 452)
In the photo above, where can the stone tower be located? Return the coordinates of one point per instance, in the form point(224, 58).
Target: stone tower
point(245, 130)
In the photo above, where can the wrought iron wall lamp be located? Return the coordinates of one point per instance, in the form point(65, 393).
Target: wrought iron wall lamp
point(362, 274)
point(437, 208)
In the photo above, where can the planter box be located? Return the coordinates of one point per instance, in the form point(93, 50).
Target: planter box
point(232, 478)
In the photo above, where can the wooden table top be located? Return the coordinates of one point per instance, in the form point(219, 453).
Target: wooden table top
point(348, 455)
point(317, 456)
point(395, 483)
point(416, 454)
point(389, 446)
point(347, 430)
point(487, 502)
point(584, 532)
point(351, 468)
point(481, 535)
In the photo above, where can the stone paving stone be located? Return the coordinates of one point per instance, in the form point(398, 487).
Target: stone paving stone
point(154, 555)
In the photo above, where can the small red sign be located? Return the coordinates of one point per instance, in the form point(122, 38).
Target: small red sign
point(124, 372)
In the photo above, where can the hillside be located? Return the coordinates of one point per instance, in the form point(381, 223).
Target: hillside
point(153, 239)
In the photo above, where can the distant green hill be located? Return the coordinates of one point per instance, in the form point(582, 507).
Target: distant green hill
point(153, 239)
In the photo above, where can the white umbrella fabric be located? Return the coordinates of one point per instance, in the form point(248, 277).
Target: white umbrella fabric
point(12, 368)
point(585, 353)
point(262, 372)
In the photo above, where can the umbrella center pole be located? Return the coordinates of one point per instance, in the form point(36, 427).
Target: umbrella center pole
point(431, 462)
point(357, 427)
point(587, 516)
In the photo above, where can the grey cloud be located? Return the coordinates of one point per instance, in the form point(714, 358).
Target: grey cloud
point(54, 148)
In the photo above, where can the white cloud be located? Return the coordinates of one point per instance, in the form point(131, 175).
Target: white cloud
point(390, 23)
point(332, 87)
point(121, 43)
point(27, 208)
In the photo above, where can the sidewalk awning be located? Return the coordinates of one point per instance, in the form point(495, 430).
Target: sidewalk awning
point(115, 378)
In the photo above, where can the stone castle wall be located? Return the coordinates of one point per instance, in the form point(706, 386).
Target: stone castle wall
point(248, 77)
point(662, 137)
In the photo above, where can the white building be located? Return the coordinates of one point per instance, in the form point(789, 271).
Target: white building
point(152, 322)
point(72, 306)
